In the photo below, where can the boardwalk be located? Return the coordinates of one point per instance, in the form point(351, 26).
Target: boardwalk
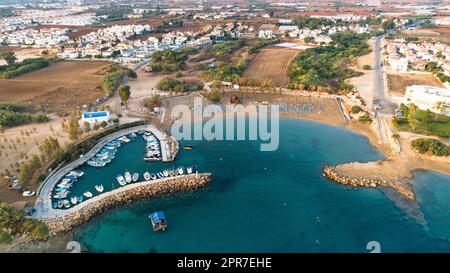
point(43, 205)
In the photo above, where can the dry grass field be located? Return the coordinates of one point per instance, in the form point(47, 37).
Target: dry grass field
point(437, 34)
point(56, 87)
point(397, 83)
point(271, 63)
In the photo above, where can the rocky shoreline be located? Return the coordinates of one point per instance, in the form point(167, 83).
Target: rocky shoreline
point(145, 190)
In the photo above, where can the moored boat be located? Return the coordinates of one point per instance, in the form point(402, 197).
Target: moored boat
point(147, 176)
point(153, 176)
point(74, 200)
point(135, 177)
point(66, 204)
point(127, 177)
point(88, 194)
point(99, 188)
point(80, 198)
point(121, 180)
point(158, 221)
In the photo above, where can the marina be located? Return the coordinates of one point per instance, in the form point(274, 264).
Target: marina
point(62, 192)
point(59, 191)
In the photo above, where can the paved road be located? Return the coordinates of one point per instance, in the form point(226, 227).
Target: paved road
point(379, 83)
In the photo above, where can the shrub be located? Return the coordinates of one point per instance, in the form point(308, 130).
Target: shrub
point(367, 67)
point(430, 146)
point(5, 238)
point(365, 119)
point(356, 109)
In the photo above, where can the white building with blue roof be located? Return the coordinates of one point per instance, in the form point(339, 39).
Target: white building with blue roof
point(96, 117)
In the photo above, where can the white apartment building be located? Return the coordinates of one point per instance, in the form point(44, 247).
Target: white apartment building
point(427, 98)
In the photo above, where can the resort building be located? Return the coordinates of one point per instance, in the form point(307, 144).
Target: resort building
point(95, 117)
point(428, 98)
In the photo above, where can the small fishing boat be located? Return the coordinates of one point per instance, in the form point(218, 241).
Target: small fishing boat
point(135, 177)
point(189, 170)
point(147, 176)
point(121, 180)
point(160, 175)
point(28, 193)
point(180, 171)
point(158, 221)
point(88, 194)
point(188, 147)
point(77, 173)
point(127, 177)
point(55, 205)
point(74, 200)
point(166, 173)
point(80, 198)
point(60, 203)
point(153, 176)
point(66, 204)
point(99, 188)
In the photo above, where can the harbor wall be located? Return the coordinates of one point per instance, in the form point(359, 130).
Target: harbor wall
point(127, 194)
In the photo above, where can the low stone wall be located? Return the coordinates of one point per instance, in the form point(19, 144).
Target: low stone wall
point(331, 173)
point(145, 190)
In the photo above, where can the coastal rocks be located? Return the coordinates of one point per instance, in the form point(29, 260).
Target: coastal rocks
point(331, 173)
point(372, 182)
point(120, 196)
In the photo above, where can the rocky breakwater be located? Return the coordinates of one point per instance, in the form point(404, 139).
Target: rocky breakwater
point(127, 194)
point(369, 181)
point(331, 173)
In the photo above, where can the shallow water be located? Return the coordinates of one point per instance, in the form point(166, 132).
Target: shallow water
point(270, 201)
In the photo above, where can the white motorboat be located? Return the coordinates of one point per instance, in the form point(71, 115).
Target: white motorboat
point(135, 177)
point(147, 176)
point(180, 171)
point(77, 173)
point(121, 180)
point(28, 193)
point(153, 176)
point(88, 194)
point(74, 200)
point(127, 177)
point(99, 188)
point(66, 204)
point(166, 173)
point(189, 170)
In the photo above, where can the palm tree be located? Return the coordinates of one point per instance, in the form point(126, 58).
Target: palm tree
point(439, 106)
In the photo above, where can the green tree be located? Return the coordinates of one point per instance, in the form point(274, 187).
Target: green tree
point(439, 106)
point(124, 93)
point(74, 128)
point(9, 57)
point(50, 148)
point(86, 126)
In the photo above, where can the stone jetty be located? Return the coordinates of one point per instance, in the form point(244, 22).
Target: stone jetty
point(127, 194)
point(331, 173)
point(371, 182)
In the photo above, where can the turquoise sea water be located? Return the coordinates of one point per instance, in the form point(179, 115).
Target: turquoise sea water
point(272, 201)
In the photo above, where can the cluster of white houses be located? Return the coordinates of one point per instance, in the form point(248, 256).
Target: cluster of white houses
point(320, 35)
point(403, 56)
